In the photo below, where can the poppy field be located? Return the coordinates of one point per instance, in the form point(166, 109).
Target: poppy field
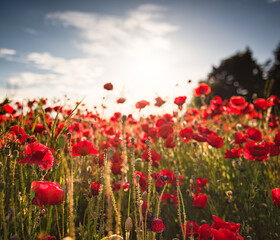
point(209, 170)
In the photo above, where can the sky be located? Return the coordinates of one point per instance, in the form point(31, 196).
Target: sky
point(144, 48)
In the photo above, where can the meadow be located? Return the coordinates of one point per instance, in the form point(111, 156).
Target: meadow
point(208, 170)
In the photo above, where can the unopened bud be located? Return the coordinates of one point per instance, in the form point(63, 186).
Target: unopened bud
point(124, 118)
point(128, 224)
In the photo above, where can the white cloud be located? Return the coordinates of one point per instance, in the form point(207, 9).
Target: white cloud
point(7, 53)
point(273, 1)
point(106, 35)
point(30, 31)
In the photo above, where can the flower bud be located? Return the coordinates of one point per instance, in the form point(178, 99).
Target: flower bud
point(128, 224)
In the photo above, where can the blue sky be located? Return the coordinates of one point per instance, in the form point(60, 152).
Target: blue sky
point(145, 48)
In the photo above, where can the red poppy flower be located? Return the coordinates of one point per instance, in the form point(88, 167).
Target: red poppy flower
point(46, 193)
point(17, 130)
point(143, 180)
point(121, 100)
point(159, 102)
point(165, 175)
point(202, 88)
point(38, 128)
point(261, 103)
point(156, 158)
point(167, 197)
point(169, 142)
point(215, 141)
point(39, 154)
point(189, 230)
point(233, 153)
point(117, 162)
point(186, 133)
point(277, 139)
point(254, 134)
point(223, 234)
point(254, 151)
point(200, 200)
point(219, 223)
point(204, 232)
point(95, 188)
point(141, 104)
point(83, 148)
point(201, 182)
point(198, 137)
point(8, 108)
point(274, 150)
point(108, 86)
point(276, 197)
point(158, 226)
point(117, 186)
point(180, 100)
point(152, 133)
point(165, 130)
point(240, 138)
point(238, 103)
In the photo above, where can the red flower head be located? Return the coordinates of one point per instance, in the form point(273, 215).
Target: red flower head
point(159, 102)
point(237, 103)
point(191, 228)
point(117, 186)
point(83, 148)
point(202, 88)
point(8, 108)
point(233, 153)
point(158, 226)
point(219, 223)
point(167, 197)
point(204, 232)
point(187, 134)
point(38, 128)
point(39, 154)
point(169, 142)
point(254, 151)
point(121, 100)
point(254, 134)
point(276, 197)
point(95, 188)
point(261, 103)
point(142, 179)
point(141, 104)
point(277, 139)
point(46, 193)
point(165, 130)
point(17, 130)
point(223, 234)
point(200, 200)
point(180, 100)
point(215, 141)
point(108, 86)
point(156, 158)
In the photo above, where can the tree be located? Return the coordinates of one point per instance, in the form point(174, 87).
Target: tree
point(237, 75)
point(274, 73)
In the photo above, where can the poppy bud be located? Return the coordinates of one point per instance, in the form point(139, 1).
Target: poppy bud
point(69, 135)
point(124, 118)
point(128, 224)
point(132, 141)
point(147, 143)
